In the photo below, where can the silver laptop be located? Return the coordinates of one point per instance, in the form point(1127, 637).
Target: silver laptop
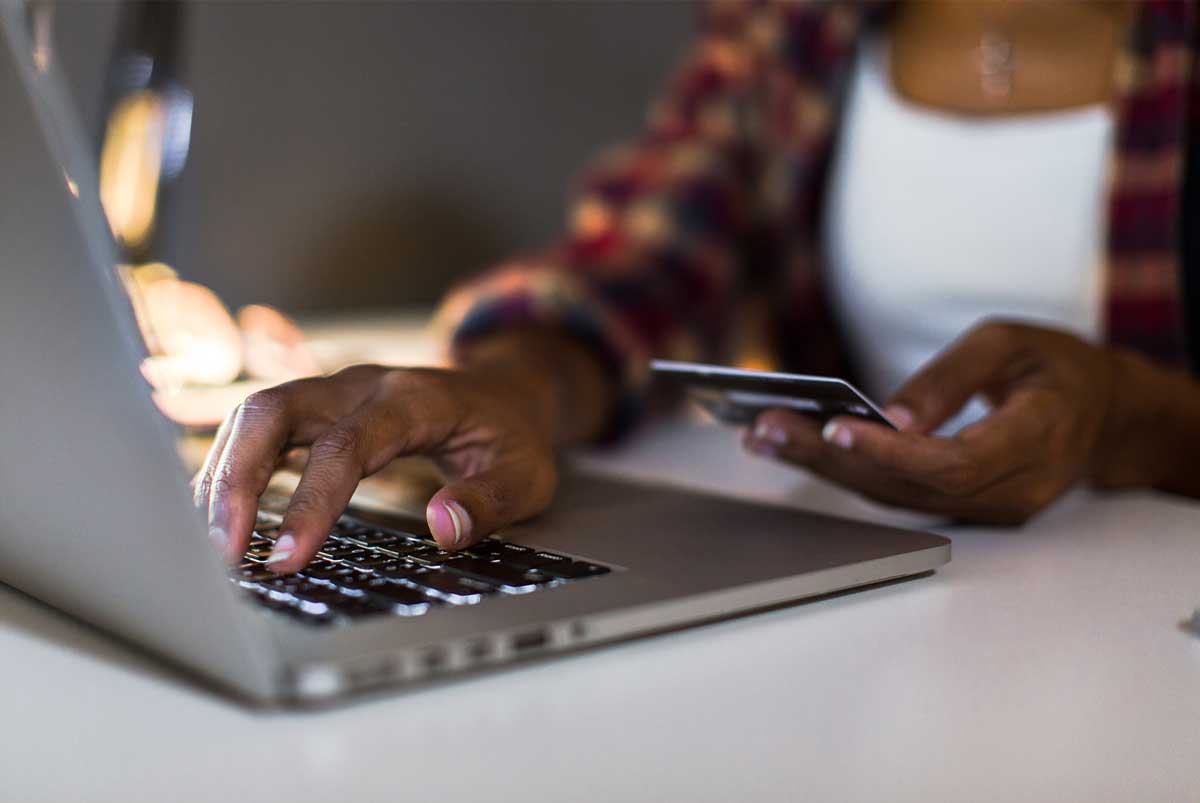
point(96, 517)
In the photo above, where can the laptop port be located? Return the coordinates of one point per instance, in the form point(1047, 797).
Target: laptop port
point(434, 659)
point(530, 640)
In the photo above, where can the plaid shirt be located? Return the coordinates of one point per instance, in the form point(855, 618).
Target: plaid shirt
point(680, 243)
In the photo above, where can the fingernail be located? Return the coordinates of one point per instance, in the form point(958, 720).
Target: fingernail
point(285, 545)
point(838, 435)
point(762, 448)
point(460, 520)
point(899, 415)
point(219, 537)
point(775, 435)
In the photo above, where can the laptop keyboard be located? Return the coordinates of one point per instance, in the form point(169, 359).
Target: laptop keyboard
point(369, 571)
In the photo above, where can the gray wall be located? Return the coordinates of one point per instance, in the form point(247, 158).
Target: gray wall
point(367, 154)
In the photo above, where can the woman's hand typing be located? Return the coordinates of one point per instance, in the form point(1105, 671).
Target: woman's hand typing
point(490, 427)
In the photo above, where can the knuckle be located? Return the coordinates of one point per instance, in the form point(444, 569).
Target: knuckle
point(262, 403)
point(403, 379)
point(304, 505)
point(408, 382)
point(340, 441)
point(222, 482)
point(203, 490)
point(428, 400)
point(995, 332)
point(355, 373)
point(960, 477)
point(203, 484)
point(893, 456)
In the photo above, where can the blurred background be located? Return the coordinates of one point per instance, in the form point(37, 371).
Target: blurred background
point(349, 155)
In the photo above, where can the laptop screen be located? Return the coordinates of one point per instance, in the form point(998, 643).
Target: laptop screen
point(198, 359)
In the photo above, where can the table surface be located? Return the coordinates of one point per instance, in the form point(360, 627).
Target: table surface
point(1044, 663)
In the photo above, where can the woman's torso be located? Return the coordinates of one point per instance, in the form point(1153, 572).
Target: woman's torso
point(936, 220)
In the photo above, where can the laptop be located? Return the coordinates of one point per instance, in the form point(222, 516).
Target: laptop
point(96, 517)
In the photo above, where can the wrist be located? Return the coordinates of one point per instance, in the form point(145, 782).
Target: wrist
point(1135, 446)
point(523, 387)
point(557, 382)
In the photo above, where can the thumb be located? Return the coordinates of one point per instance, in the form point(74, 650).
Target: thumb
point(974, 363)
point(473, 507)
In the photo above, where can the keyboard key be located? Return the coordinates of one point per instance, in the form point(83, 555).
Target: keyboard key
point(346, 525)
point(487, 546)
point(412, 550)
point(339, 551)
point(519, 556)
point(310, 613)
point(329, 573)
point(288, 583)
point(398, 569)
point(506, 578)
point(314, 610)
point(533, 559)
point(363, 571)
point(327, 596)
point(369, 561)
point(573, 570)
point(276, 605)
point(542, 559)
point(352, 580)
point(500, 549)
point(307, 585)
point(434, 557)
point(360, 608)
point(253, 588)
point(363, 584)
point(392, 594)
point(453, 588)
point(255, 574)
point(403, 548)
point(374, 538)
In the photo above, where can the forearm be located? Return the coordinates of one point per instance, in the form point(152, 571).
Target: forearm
point(1153, 439)
point(563, 383)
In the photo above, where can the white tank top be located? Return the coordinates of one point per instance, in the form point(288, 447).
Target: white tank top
point(935, 221)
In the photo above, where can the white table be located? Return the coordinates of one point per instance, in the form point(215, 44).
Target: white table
point(1046, 663)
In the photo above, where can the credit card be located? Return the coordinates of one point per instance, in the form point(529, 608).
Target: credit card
point(737, 396)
